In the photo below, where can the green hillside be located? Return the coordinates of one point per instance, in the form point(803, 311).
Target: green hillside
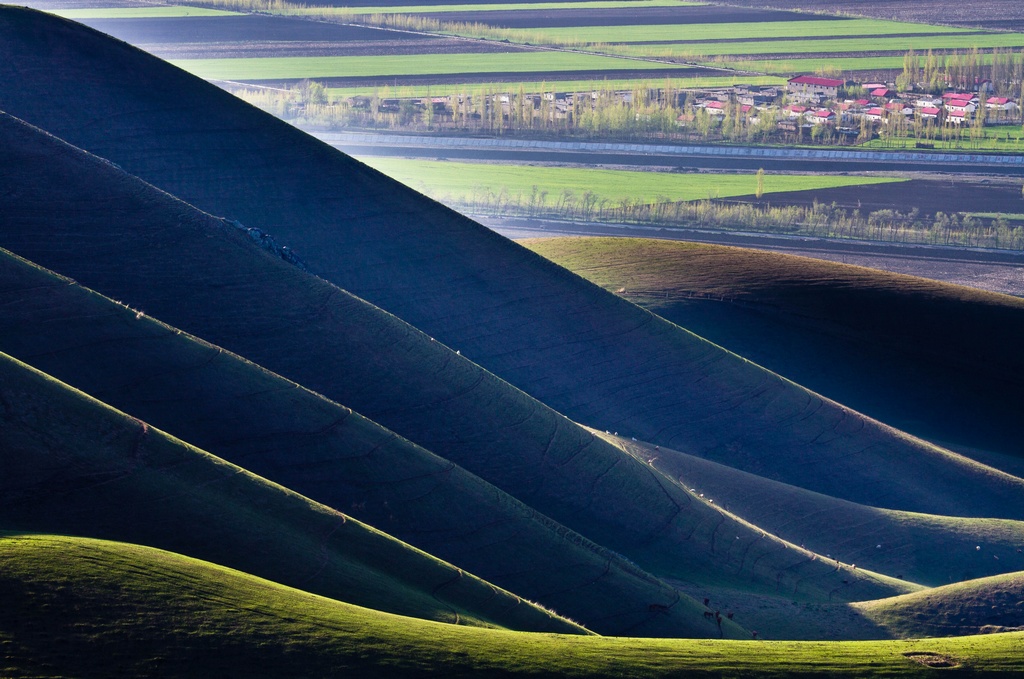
point(938, 360)
point(575, 347)
point(298, 438)
point(73, 465)
point(128, 610)
point(109, 230)
point(984, 606)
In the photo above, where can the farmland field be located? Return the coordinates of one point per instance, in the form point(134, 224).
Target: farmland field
point(458, 181)
point(138, 12)
point(404, 66)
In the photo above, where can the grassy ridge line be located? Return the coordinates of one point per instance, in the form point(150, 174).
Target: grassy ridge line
point(126, 610)
point(573, 345)
point(993, 604)
point(379, 362)
point(169, 12)
point(72, 465)
point(277, 68)
point(274, 313)
point(923, 548)
point(441, 89)
point(806, 319)
point(731, 31)
point(458, 182)
point(311, 445)
point(839, 46)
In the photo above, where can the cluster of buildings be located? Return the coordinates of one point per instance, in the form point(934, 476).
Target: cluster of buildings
point(814, 100)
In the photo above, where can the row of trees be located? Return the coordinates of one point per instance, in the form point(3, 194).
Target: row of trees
point(817, 220)
point(936, 72)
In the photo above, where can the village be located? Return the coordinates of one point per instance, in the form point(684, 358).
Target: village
point(808, 108)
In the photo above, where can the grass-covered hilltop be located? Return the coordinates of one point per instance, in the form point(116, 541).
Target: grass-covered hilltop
point(266, 412)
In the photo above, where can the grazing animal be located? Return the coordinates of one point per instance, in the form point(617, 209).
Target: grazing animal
point(729, 615)
point(707, 601)
point(657, 608)
point(708, 615)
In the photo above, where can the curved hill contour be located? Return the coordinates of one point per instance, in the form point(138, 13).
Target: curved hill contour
point(75, 466)
point(941, 361)
point(277, 429)
point(575, 347)
point(190, 269)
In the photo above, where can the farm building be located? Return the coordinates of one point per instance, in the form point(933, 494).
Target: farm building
point(808, 87)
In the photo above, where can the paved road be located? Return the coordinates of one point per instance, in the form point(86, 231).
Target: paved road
point(662, 155)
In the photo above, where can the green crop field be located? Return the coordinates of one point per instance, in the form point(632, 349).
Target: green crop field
point(825, 46)
point(402, 65)
point(535, 86)
point(731, 31)
point(172, 11)
point(831, 64)
point(460, 181)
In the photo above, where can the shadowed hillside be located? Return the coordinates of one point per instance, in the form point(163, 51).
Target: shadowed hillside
point(252, 626)
point(938, 360)
point(923, 548)
point(281, 431)
point(147, 249)
point(577, 348)
point(73, 465)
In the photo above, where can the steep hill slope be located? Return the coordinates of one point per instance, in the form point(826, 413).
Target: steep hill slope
point(132, 611)
point(938, 360)
point(575, 347)
point(73, 465)
point(278, 429)
point(109, 230)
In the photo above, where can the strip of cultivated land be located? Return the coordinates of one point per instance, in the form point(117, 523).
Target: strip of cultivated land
point(457, 182)
point(407, 65)
point(160, 12)
point(513, 7)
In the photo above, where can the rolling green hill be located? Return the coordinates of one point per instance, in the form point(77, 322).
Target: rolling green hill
point(73, 465)
point(938, 360)
point(323, 450)
point(984, 606)
point(577, 348)
point(109, 230)
point(189, 618)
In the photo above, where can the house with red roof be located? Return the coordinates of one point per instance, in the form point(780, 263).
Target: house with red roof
point(929, 112)
point(795, 110)
point(875, 114)
point(812, 87)
point(880, 92)
point(958, 117)
point(821, 117)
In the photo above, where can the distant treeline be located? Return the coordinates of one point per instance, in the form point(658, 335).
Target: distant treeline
point(817, 220)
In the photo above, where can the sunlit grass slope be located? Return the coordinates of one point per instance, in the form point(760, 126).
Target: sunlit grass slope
point(922, 548)
point(280, 430)
point(76, 607)
point(994, 604)
point(75, 466)
point(188, 268)
point(941, 361)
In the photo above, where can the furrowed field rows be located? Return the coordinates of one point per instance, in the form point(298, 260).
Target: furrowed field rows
point(825, 46)
point(461, 181)
point(731, 31)
point(406, 65)
point(506, 7)
point(438, 90)
point(172, 11)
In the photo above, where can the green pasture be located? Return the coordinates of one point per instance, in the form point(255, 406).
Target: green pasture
point(741, 30)
point(537, 86)
point(509, 6)
point(407, 64)
point(168, 12)
point(1005, 138)
point(460, 182)
point(135, 609)
point(824, 46)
